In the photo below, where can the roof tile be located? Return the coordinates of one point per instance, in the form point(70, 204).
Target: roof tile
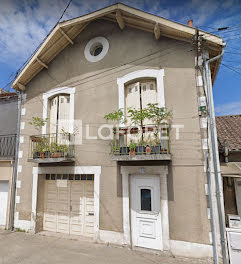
point(229, 130)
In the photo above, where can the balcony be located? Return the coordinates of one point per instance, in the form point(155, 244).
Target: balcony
point(51, 148)
point(7, 147)
point(140, 144)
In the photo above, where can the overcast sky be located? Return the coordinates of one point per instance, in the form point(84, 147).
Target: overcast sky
point(24, 24)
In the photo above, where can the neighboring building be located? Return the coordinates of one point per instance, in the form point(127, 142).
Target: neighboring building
point(229, 138)
point(87, 67)
point(8, 130)
point(2, 91)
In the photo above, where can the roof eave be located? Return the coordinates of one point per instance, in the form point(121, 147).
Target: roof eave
point(213, 41)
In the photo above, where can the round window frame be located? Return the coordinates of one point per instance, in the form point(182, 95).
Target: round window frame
point(92, 44)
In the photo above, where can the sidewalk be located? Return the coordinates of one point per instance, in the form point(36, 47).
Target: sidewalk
point(19, 248)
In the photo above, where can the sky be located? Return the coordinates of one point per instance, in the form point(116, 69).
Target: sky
point(25, 23)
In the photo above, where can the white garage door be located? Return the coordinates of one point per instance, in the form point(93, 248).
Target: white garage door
point(69, 204)
point(3, 202)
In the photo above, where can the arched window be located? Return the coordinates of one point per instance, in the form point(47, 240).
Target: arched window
point(58, 107)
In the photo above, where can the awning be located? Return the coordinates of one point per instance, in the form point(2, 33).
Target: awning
point(231, 169)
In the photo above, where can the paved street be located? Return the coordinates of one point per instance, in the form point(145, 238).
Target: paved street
point(21, 247)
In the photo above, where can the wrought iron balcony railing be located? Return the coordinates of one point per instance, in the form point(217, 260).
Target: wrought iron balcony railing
point(7, 146)
point(52, 147)
point(147, 140)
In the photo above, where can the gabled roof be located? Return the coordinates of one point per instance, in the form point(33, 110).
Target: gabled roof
point(229, 131)
point(65, 32)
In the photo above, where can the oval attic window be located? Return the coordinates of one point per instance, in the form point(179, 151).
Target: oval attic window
point(96, 49)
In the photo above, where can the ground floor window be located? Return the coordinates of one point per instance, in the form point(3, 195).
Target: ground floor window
point(71, 177)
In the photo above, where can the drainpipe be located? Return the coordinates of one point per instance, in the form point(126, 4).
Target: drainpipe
point(213, 225)
point(214, 152)
point(16, 163)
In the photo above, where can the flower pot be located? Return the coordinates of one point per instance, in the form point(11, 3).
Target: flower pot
point(164, 151)
point(56, 155)
point(157, 149)
point(36, 155)
point(132, 152)
point(148, 150)
point(42, 155)
point(140, 150)
point(47, 154)
point(36, 139)
point(124, 150)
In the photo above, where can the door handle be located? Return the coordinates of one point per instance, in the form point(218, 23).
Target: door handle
point(90, 213)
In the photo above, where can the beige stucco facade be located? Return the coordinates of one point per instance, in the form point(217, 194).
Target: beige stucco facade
point(96, 94)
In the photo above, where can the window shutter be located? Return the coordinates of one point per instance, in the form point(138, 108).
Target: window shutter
point(64, 112)
point(53, 115)
point(132, 98)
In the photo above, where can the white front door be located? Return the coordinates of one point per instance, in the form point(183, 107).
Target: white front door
point(3, 202)
point(146, 212)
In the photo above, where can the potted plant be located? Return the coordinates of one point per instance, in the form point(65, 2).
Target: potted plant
point(47, 150)
point(159, 116)
point(138, 116)
point(132, 148)
point(64, 150)
point(36, 153)
point(148, 149)
point(118, 118)
point(141, 147)
point(38, 123)
point(55, 150)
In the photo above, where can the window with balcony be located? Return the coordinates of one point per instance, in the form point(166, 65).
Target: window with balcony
point(141, 134)
point(57, 145)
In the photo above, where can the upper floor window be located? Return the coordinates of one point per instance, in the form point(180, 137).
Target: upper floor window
point(59, 114)
point(139, 94)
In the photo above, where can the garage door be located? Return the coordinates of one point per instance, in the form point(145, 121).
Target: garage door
point(3, 202)
point(69, 204)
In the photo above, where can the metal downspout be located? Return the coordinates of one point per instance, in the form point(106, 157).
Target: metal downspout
point(213, 226)
point(214, 147)
point(16, 163)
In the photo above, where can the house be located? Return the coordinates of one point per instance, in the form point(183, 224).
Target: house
point(229, 139)
point(8, 131)
point(72, 177)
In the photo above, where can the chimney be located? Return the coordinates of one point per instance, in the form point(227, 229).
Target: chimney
point(190, 23)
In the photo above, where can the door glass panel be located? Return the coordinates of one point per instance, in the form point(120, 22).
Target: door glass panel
point(145, 199)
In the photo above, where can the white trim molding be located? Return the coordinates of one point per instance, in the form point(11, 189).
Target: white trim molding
point(17, 199)
point(53, 92)
point(162, 171)
point(22, 125)
point(18, 184)
point(19, 168)
point(147, 73)
point(199, 80)
point(20, 154)
point(96, 170)
point(23, 111)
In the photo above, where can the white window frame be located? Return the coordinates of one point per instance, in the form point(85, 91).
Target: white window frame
point(147, 73)
point(57, 91)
